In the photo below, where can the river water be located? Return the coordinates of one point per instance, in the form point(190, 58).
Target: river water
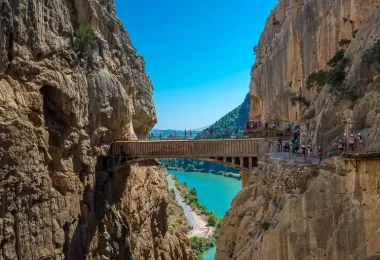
point(214, 191)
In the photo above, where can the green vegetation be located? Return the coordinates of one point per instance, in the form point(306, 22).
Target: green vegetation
point(265, 225)
point(294, 99)
point(334, 77)
point(84, 41)
point(316, 78)
point(172, 193)
point(200, 244)
point(338, 60)
point(228, 126)
point(212, 219)
point(233, 122)
point(372, 56)
point(344, 42)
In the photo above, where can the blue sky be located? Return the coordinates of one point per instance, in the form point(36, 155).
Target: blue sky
point(198, 54)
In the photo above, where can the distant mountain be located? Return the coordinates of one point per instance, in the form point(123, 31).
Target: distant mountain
point(233, 122)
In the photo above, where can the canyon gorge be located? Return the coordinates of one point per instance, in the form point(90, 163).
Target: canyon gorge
point(71, 83)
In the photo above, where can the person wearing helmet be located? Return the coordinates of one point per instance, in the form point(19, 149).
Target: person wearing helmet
point(351, 141)
point(340, 147)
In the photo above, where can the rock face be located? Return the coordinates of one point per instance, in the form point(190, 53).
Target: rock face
point(300, 37)
point(59, 112)
point(302, 211)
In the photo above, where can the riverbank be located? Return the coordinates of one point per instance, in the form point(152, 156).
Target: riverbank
point(205, 225)
point(216, 194)
point(197, 221)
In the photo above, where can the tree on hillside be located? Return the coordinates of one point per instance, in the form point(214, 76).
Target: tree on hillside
point(212, 219)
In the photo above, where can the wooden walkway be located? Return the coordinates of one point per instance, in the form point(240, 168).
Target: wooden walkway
point(237, 153)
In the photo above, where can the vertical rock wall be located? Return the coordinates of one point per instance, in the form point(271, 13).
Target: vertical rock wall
point(59, 113)
point(300, 37)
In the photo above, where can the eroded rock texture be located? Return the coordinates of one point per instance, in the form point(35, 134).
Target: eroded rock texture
point(300, 37)
point(59, 113)
point(291, 211)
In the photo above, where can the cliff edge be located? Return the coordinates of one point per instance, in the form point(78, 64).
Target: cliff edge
point(71, 83)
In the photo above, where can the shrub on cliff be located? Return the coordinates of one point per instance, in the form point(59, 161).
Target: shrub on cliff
point(344, 42)
point(294, 99)
point(372, 56)
point(316, 78)
point(84, 41)
point(334, 78)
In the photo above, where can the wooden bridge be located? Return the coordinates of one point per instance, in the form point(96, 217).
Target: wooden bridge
point(236, 153)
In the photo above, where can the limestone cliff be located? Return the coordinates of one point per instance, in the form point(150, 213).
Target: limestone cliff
point(59, 112)
point(305, 212)
point(300, 37)
point(300, 211)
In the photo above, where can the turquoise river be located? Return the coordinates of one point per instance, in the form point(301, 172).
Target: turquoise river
point(214, 191)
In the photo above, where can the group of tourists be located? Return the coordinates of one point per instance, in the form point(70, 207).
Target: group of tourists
point(351, 143)
point(296, 148)
point(253, 124)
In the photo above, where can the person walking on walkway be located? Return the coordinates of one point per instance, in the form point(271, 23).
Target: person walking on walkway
point(340, 147)
point(320, 154)
point(288, 128)
point(303, 153)
point(360, 142)
point(309, 153)
point(352, 142)
point(345, 143)
point(185, 133)
point(191, 133)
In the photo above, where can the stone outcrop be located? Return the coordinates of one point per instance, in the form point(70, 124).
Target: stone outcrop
point(59, 112)
point(300, 37)
point(301, 211)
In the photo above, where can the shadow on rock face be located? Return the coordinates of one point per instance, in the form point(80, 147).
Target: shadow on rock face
point(99, 216)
